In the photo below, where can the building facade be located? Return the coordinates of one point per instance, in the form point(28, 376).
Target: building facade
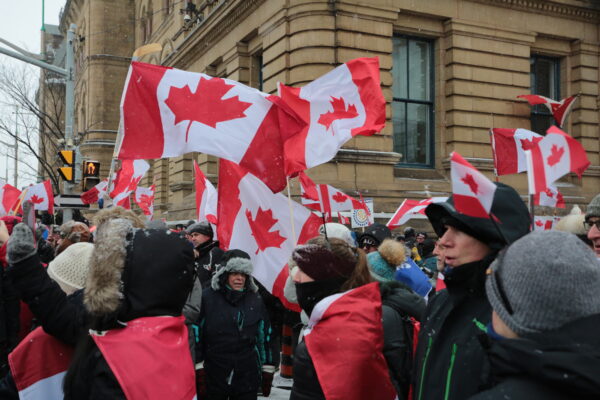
point(450, 71)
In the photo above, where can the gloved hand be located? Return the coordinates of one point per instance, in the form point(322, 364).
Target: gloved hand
point(267, 379)
point(21, 244)
point(201, 383)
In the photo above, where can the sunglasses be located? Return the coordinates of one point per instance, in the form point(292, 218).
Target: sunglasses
point(590, 224)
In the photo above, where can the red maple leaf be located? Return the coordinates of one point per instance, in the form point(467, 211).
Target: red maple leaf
point(339, 112)
point(133, 184)
point(339, 197)
point(539, 223)
point(206, 105)
point(470, 181)
point(527, 144)
point(146, 201)
point(261, 226)
point(556, 154)
point(36, 200)
point(549, 193)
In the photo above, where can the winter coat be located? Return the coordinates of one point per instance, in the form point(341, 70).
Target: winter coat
point(209, 256)
point(234, 337)
point(450, 362)
point(399, 303)
point(562, 364)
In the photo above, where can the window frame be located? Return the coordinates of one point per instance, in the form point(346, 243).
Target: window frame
point(535, 110)
point(430, 142)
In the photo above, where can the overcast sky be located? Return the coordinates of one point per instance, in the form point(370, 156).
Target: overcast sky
point(20, 23)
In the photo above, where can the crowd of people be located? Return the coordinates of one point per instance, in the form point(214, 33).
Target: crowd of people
point(139, 311)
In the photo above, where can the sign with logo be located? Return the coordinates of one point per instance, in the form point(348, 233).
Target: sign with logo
point(360, 218)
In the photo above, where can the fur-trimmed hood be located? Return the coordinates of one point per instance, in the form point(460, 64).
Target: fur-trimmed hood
point(137, 272)
point(234, 262)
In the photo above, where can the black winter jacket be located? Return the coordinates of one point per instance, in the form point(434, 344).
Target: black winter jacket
point(234, 340)
point(559, 365)
point(209, 255)
point(450, 362)
point(399, 303)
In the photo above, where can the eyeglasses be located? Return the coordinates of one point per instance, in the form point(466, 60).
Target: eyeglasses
point(590, 224)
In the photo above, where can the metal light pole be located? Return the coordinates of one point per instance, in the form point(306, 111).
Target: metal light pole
point(10, 146)
point(16, 147)
point(68, 73)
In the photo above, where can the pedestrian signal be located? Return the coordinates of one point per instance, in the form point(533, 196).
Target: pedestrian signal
point(91, 169)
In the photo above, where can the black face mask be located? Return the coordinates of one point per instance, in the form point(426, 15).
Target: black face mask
point(310, 293)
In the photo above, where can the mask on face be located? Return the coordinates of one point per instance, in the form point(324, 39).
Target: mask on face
point(310, 293)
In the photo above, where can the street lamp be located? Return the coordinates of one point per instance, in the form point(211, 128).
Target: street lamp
point(12, 146)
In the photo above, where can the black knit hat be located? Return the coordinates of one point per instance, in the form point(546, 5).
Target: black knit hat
point(508, 210)
point(203, 228)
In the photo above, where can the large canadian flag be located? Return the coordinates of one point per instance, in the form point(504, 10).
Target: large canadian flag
point(556, 155)
point(38, 366)
point(253, 219)
point(349, 325)
point(509, 146)
point(167, 112)
point(41, 196)
point(206, 197)
point(473, 192)
point(144, 198)
point(96, 193)
point(410, 208)
point(126, 180)
point(341, 104)
point(560, 109)
point(8, 197)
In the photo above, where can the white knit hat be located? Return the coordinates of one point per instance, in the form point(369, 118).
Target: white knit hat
point(70, 268)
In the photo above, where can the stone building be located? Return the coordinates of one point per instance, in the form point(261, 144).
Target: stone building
point(450, 71)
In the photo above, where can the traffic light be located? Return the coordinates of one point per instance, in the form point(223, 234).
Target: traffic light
point(66, 171)
point(91, 174)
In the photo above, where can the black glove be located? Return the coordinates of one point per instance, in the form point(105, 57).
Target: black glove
point(267, 379)
point(21, 244)
point(201, 383)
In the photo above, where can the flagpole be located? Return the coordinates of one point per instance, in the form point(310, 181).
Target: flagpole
point(289, 196)
point(21, 197)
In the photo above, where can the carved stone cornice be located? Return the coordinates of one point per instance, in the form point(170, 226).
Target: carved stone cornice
point(181, 185)
point(206, 34)
point(367, 157)
point(549, 7)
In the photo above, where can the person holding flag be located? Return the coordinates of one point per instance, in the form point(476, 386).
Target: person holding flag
point(450, 362)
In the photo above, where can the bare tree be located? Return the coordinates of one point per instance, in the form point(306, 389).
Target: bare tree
point(38, 127)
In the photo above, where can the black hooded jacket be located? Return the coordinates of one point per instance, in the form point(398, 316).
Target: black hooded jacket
point(450, 362)
point(559, 365)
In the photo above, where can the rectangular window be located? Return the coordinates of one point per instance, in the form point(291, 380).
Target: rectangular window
point(256, 71)
point(545, 81)
point(412, 105)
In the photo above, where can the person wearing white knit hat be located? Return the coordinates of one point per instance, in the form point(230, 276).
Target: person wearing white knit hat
point(69, 269)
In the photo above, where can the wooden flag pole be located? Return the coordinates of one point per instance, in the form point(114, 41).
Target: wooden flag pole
point(289, 196)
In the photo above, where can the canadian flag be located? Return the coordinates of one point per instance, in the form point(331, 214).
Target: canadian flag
point(95, 193)
point(509, 146)
point(8, 197)
point(473, 192)
point(349, 325)
point(343, 220)
point(167, 112)
point(410, 208)
point(550, 198)
point(126, 180)
point(41, 196)
point(38, 365)
point(543, 223)
point(206, 197)
point(331, 200)
point(253, 219)
point(144, 198)
point(556, 155)
point(559, 109)
point(341, 104)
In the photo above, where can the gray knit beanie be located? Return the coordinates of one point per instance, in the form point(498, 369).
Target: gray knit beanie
point(593, 209)
point(543, 281)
